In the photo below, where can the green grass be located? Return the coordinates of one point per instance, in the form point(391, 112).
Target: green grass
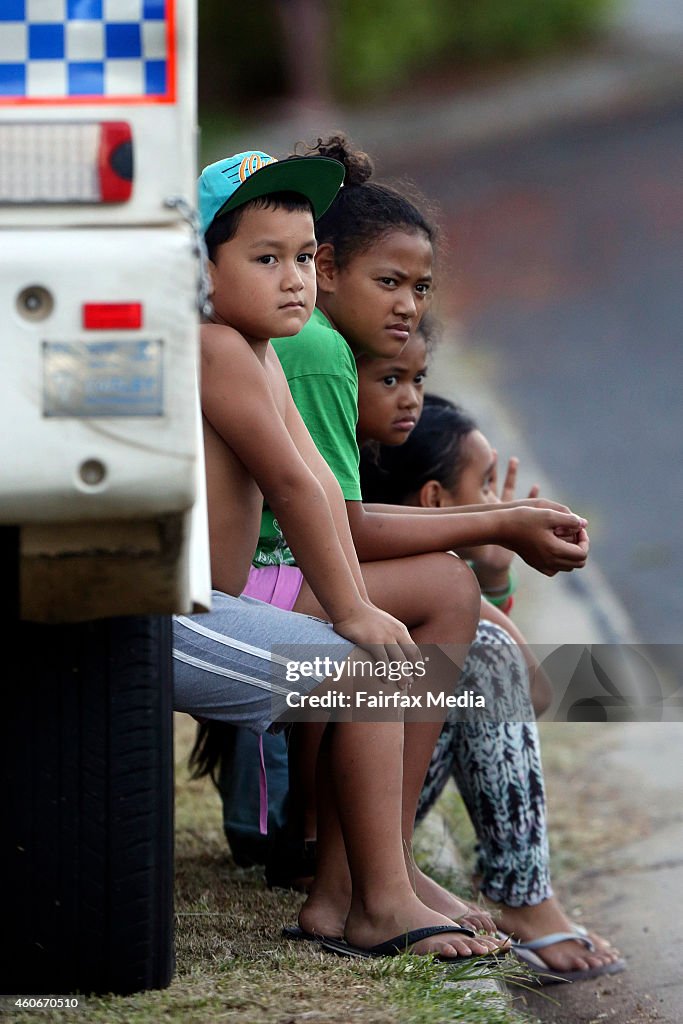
point(233, 966)
point(417, 992)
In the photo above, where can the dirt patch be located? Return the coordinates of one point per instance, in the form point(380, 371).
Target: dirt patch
point(589, 814)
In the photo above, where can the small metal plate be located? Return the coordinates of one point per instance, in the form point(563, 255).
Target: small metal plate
point(103, 378)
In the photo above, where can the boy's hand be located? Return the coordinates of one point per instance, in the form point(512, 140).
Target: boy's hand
point(547, 540)
point(381, 635)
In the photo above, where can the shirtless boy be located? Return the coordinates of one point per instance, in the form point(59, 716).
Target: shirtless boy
point(258, 218)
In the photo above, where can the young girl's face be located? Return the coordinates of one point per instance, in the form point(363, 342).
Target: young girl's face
point(379, 297)
point(391, 393)
point(477, 462)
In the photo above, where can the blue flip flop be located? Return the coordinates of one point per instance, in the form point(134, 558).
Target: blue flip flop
point(545, 975)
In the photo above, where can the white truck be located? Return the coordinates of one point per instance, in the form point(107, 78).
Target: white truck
point(102, 506)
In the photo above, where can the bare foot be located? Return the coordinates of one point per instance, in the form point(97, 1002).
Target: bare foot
point(444, 902)
point(324, 913)
point(533, 922)
point(367, 927)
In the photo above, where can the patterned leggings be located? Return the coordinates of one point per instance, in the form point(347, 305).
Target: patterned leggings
point(497, 768)
point(496, 765)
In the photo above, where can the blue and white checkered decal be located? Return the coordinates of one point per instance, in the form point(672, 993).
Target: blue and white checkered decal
point(68, 49)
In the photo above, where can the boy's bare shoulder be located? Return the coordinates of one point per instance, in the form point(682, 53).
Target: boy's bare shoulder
point(223, 348)
point(220, 342)
point(234, 378)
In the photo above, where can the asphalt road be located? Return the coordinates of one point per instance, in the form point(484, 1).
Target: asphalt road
point(564, 266)
point(564, 269)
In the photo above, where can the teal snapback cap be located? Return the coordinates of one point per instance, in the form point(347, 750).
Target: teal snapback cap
point(235, 180)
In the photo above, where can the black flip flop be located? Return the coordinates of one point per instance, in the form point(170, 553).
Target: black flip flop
point(402, 943)
point(299, 934)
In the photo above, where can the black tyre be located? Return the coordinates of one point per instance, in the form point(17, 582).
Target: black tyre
point(86, 827)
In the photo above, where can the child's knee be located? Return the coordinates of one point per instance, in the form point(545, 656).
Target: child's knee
point(456, 586)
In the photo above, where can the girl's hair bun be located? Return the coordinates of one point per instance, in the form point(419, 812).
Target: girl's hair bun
point(364, 211)
point(359, 166)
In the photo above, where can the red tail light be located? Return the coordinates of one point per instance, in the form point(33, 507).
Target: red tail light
point(120, 316)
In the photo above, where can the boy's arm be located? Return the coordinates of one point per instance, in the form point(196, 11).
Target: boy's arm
point(246, 417)
point(302, 439)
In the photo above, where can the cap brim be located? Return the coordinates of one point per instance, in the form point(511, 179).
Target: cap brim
point(318, 178)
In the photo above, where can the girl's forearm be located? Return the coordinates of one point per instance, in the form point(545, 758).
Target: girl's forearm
point(447, 510)
point(378, 535)
point(402, 510)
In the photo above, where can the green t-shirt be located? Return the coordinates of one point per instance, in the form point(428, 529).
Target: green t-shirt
point(322, 376)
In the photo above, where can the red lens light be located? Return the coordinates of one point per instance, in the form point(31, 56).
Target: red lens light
point(120, 316)
point(115, 161)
